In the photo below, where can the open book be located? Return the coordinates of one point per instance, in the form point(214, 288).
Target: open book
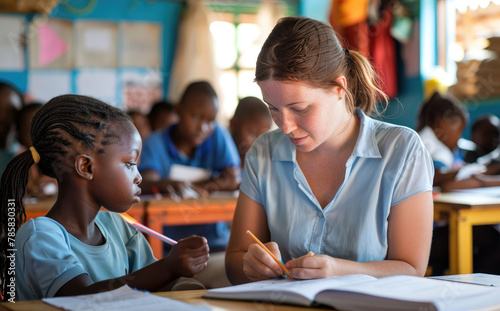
point(362, 292)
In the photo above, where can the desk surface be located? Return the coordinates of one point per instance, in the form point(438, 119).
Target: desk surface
point(191, 297)
point(467, 200)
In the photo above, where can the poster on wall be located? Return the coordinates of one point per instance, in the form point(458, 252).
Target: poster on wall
point(141, 45)
point(140, 89)
point(98, 83)
point(11, 48)
point(46, 84)
point(96, 44)
point(50, 45)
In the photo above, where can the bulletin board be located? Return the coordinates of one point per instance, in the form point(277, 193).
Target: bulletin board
point(117, 62)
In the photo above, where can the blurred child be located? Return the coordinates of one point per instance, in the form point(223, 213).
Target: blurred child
point(195, 154)
point(441, 122)
point(11, 102)
point(141, 122)
point(485, 134)
point(39, 185)
point(91, 148)
point(251, 119)
point(162, 115)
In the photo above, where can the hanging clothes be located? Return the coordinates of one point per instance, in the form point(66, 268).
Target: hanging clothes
point(349, 19)
point(382, 52)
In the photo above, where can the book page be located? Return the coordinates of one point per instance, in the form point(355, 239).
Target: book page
point(121, 299)
point(411, 293)
point(285, 291)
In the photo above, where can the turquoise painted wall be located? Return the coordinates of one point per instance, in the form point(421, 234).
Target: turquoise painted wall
point(164, 12)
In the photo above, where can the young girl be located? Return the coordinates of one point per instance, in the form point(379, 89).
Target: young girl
point(91, 148)
point(332, 192)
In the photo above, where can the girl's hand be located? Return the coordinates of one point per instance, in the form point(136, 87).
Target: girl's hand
point(312, 266)
point(189, 256)
point(258, 265)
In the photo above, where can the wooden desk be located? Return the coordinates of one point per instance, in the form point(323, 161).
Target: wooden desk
point(463, 211)
point(191, 297)
point(167, 212)
point(158, 213)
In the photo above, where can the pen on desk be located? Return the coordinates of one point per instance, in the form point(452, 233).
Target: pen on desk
point(271, 254)
point(129, 219)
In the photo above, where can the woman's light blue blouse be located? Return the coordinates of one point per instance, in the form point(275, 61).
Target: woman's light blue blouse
point(388, 165)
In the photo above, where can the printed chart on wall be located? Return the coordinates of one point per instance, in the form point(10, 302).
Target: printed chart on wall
point(140, 88)
point(96, 44)
point(141, 45)
point(11, 51)
point(50, 45)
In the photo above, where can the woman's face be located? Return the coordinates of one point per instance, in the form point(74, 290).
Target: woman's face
point(309, 116)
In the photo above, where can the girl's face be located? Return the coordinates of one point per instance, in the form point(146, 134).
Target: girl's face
point(116, 179)
point(449, 130)
point(308, 116)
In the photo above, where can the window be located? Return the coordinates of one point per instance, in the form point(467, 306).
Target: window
point(476, 49)
point(238, 33)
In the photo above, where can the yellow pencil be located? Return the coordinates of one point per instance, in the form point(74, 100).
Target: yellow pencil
point(271, 254)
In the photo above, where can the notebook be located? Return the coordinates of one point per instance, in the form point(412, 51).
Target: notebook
point(362, 292)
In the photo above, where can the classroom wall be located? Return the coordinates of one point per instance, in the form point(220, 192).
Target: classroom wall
point(165, 13)
point(401, 110)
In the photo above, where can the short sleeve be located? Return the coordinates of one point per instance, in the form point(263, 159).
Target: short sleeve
point(152, 157)
point(417, 173)
point(48, 263)
point(249, 182)
point(227, 154)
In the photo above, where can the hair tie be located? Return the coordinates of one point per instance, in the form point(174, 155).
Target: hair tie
point(35, 155)
point(346, 52)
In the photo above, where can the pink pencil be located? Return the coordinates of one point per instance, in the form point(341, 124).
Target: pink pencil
point(129, 219)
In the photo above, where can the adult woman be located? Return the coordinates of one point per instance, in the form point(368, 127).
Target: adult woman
point(332, 181)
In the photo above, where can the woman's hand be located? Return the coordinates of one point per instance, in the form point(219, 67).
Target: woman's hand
point(259, 265)
point(189, 256)
point(312, 266)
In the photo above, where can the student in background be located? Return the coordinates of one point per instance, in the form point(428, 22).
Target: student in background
point(39, 185)
point(354, 191)
point(162, 115)
point(251, 119)
point(485, 134)
point(440, 124)
point(193, 156)
point(91, 148)
point(141, 122)
point(11, 102)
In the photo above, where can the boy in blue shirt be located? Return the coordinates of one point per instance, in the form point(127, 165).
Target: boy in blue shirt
point(196, 146)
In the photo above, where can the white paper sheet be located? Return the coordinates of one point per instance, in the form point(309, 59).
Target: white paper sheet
point(11, 51)
point(98, 83)
point(44, 85)
point(121, 299)
point(188, 173)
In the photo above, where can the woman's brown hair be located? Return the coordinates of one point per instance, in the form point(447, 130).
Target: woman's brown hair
point(304, 49)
